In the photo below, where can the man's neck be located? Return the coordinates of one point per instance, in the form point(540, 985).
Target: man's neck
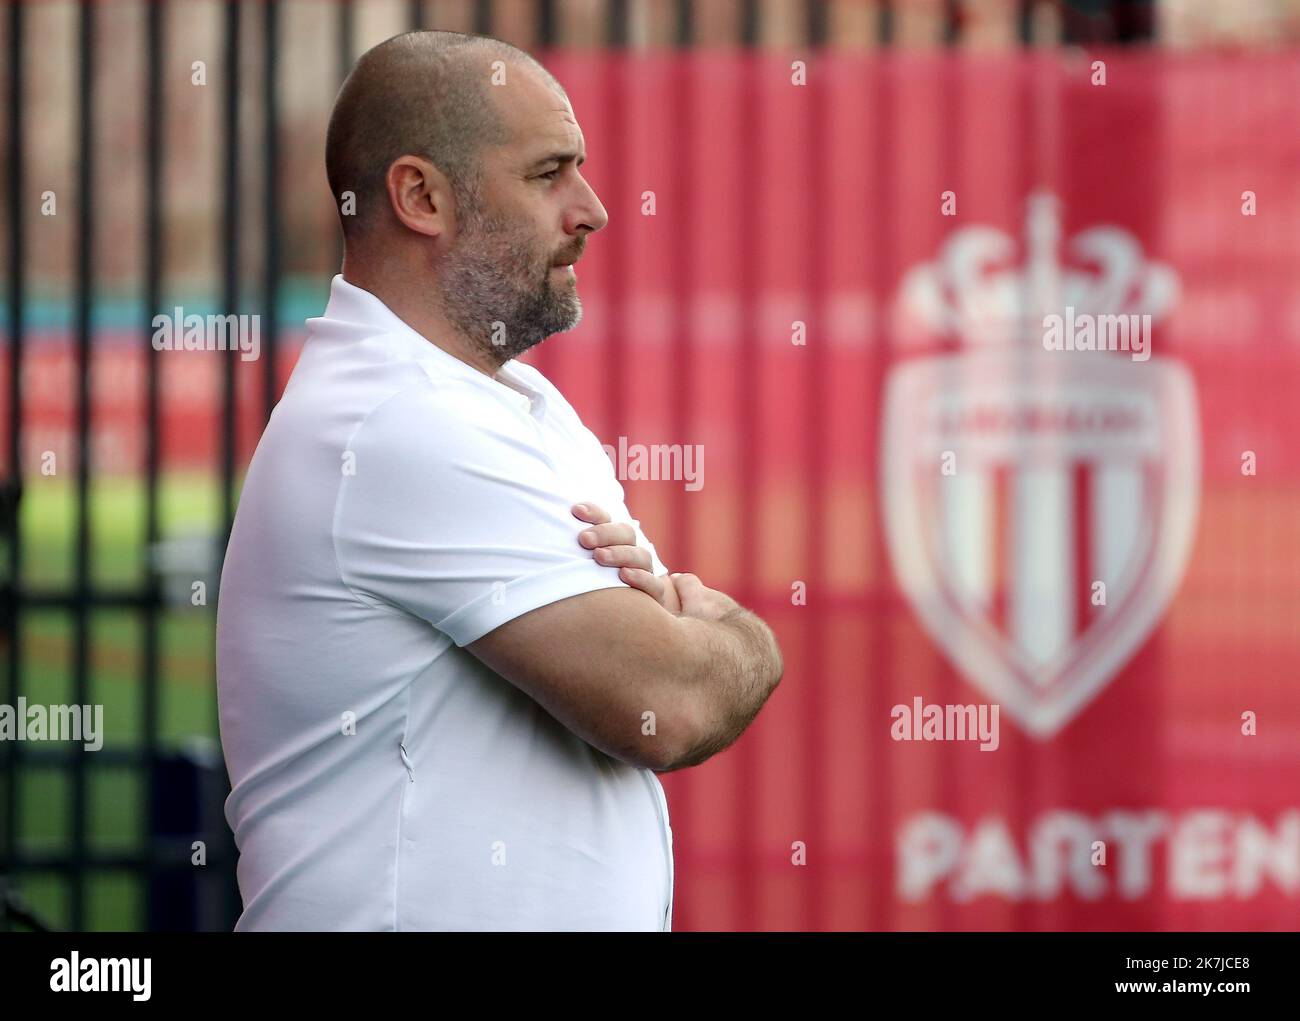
point(426, 319)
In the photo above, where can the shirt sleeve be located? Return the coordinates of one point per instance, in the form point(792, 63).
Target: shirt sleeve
point(455, 513)
point(616, 503)
point(657, 567)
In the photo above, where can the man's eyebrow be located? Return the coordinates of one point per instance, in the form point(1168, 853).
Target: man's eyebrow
point(558, 157)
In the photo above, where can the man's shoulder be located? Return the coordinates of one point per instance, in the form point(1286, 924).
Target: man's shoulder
point(434, 422)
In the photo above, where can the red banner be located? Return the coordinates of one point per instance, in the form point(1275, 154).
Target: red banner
point(843, 293)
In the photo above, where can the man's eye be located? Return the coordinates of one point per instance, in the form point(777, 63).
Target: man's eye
point(550, 175)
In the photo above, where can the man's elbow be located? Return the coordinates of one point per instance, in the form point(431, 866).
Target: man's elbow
point(704, 726)
point(685, 736)
point(668, 734)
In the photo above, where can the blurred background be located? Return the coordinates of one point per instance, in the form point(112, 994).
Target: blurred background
point(835, 227)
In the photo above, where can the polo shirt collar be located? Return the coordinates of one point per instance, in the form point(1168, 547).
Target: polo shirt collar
point(351, 304)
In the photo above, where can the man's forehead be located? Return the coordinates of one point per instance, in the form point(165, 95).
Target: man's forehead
point(563, 142)
point(538, 117)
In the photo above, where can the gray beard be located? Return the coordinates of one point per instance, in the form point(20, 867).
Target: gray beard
point(497, 292)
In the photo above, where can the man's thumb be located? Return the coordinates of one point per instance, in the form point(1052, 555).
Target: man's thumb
point(689, 589)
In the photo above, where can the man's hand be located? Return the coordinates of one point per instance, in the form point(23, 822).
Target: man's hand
point(700, 601)
point(614, 545)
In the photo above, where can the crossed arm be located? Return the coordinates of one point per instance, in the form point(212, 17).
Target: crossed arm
point(663, 674)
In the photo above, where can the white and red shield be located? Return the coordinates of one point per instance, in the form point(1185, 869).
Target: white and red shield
point(1017, 483)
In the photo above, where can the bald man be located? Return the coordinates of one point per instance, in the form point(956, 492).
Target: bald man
point(450, 663)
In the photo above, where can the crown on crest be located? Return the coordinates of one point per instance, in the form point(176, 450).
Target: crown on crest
point(975, 291)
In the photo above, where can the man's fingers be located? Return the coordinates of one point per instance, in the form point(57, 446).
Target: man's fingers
point(645, 581)
point(671, 601)
point(613, 533)
point(698, 600)
point(590, 513)
point(689, 589)
point(687, 582)
point(624, 556)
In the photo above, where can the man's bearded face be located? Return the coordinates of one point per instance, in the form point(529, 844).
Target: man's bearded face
point(497, 286)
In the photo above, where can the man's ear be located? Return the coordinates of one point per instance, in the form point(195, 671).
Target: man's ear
point(420, 195)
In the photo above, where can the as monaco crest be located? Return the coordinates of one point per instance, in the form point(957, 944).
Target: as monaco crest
point(1039, 505)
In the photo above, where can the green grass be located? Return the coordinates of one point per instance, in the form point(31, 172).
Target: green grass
point(116, 797)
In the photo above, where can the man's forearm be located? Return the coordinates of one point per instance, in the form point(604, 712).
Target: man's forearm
point(736, 666)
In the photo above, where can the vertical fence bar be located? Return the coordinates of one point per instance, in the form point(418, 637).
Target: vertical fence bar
point(614, 357)
point(230, 256)
point(230, 295)
point(85, 301)
point(749, 27)
point(12, 619)
point(616, 27)
point(346, 37)
point(154, 135)
point(817, 17)
point(271, 195)
point(347, 30)
point(415, 15)
point(483, 17)
point(684, 33)
point(545, 24)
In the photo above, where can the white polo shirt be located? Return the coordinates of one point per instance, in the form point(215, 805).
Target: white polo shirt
point(400, 505)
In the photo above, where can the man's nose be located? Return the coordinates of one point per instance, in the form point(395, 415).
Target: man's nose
point(589, 212)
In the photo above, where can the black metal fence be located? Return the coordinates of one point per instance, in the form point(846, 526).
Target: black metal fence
point(184, 791)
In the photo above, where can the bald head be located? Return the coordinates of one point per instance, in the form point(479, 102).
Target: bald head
point(463, 154)
point(422, 93)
